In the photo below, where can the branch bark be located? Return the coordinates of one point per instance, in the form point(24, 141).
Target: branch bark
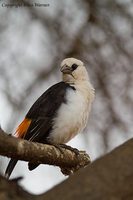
point(38, 153)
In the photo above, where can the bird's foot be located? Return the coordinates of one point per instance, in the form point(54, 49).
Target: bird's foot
point(64, 146)
point(76, 151)
point(56, 146)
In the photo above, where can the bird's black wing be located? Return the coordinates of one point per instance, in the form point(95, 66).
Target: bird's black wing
point(41, 116)
point(44, 110)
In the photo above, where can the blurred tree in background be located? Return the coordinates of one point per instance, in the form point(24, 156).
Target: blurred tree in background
point(33, 42)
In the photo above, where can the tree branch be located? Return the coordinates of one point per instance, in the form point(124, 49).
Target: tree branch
point(39, 153)
point(110, 177)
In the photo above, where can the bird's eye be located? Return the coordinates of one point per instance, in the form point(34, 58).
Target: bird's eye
point(74, 66)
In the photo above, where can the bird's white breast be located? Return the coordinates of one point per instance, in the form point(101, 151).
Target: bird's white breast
point(71, 117)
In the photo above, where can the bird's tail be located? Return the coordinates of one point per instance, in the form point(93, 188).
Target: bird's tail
point(10, 167)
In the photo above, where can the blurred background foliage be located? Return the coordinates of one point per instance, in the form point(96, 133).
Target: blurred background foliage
point(33, 42)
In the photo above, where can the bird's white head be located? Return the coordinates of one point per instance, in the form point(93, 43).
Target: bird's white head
point(73, 70)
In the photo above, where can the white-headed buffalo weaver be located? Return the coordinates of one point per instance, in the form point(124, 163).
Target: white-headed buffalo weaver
point(59, 113)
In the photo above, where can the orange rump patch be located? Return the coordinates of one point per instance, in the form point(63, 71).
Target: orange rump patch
point(22, 128)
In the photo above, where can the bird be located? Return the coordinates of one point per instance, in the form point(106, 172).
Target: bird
point(61, 112)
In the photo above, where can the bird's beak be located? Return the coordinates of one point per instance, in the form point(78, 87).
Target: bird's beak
point(66, 69)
